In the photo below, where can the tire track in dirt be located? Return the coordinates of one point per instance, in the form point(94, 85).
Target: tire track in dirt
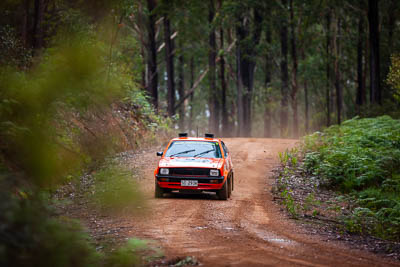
point(246, 230)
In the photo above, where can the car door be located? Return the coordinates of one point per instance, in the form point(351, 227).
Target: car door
point(228, 159)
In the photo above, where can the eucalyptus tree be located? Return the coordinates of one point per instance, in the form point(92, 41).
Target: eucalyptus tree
point(284, 70)
point(152, 73)
point(293, 93)
point(374, 42)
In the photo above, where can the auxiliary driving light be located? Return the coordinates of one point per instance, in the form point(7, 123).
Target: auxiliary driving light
point(214, 172)
point(164, 171)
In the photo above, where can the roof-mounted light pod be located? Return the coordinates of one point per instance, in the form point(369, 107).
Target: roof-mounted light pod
point(183, 135)
point(209, 135)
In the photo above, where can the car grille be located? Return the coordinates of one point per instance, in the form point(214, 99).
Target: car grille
point(201, 181)
point(189, 171)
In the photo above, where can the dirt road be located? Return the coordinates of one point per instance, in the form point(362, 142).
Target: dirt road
point(246, 230)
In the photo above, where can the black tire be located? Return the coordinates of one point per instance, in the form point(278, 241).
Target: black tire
point(158, 191)
point(232, 181)
point(223, 192)
point(229, 187)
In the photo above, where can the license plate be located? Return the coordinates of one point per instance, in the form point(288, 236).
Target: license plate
point(189, 183)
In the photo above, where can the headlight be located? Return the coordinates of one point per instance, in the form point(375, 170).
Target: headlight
point(164, 171)
point(214, 172)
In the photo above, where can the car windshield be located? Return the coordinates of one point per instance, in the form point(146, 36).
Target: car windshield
point(201, 149)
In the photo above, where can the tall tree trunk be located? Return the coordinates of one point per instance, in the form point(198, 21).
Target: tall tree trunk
point(191, 82)
point(306, 101)
point(25, 22)
point(328, 69)
point(152, 74)
point(242, 72)
point(169, 59)
point(373, 18)
point(284, 73)
point(144, 75)
point(239, 99)
point(360, 81)
point(307, 122)
point(392, 24)
point(256, 36)
point(267, 109)
point(293, 94)
point(247, 63)
point(232, 110)
point(223, 86)
point(213, 95)
point(338, 86)
point(181, 91)
point(365, 71)
point(38, 25)
point(387, 53)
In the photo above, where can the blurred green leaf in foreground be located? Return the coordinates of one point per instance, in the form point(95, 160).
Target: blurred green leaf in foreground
point(71, 78)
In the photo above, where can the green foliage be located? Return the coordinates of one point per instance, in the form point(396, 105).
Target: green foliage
point(62, 113)
point(54, 120)
point(12, 51)
point(114, 189)
point(68, 77)
point(187, 261)
point(361, 157)
point(289, 161)
point(310, 201)
point(393, 78)
point(289, 157)
point(31, 238)
point(359, 154)
point(127, 254)
point(288, 200)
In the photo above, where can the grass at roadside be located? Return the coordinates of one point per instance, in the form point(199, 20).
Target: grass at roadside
point(347, 176)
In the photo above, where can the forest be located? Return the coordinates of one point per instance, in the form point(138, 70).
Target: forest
point(81, 81)
point(240, 68)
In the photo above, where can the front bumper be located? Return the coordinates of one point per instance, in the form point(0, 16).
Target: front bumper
point(204, 184)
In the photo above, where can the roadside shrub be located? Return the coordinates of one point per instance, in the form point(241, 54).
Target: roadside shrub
point(361, 158)
point(12, 50)
point(115, 190)
point(30, 237)
point(359, 154)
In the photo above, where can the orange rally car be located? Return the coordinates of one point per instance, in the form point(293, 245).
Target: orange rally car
point(193, 164)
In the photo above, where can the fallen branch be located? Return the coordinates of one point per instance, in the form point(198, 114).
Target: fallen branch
point(200, 78)
point(163, 44)
point(321, 219)
point(191, 91)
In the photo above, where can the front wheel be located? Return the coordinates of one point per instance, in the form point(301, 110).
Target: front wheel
point(158, 191)
point(229, 187)
point(223, 192)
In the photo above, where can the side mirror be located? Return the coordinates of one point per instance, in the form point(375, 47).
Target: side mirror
point(160, 154)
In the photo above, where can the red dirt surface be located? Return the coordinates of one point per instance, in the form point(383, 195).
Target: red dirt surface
point(246, 230)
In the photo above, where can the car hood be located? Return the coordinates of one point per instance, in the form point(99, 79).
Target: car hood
point(190, 162)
